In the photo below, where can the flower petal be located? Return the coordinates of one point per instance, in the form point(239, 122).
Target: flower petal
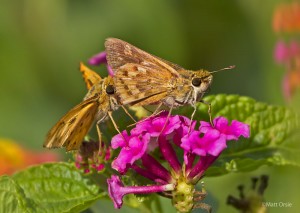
point(129, 154)
point(142, 126)
point(120, 140)
point(97, 59)
point(201, 146)
point(239, 128)
point(114, 190)
point(221, 123)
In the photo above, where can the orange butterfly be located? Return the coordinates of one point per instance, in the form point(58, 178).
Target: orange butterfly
point(144, 79)
point(98, 103)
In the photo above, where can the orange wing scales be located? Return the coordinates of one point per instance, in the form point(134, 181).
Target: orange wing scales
point(70, 130)
point(140, 78)
point(136, 82)
point(89, 76)
point(72, 127)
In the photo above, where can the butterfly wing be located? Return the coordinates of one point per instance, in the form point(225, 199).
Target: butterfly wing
point(139, 85)
point(119, 53)
point(70, 130)
point(140, 78)
point(90, 77)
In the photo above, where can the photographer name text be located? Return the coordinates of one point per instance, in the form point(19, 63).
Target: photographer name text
point(278, 204)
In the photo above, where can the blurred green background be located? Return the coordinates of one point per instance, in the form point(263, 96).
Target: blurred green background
point(42, 43)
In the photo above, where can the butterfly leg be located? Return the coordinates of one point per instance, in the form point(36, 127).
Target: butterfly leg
point(192, 117)
point(114, 123)
point(209, 112)
point(101, 147)
point(156, 112)
point(126, 111)
point(100, 138)
point(168, 116)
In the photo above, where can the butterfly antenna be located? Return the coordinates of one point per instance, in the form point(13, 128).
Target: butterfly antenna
point(226, 68)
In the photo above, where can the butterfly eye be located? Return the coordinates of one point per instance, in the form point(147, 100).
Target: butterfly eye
point(196, 82)
point(110, 89)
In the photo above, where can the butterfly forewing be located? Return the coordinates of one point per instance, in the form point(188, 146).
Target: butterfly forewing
point(120, 53)
point(140, 78)
point(70, 130)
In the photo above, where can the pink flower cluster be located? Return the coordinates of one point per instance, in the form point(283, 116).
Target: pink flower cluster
point(286, 21)
point(286, 52)
point(289, 56)
point(167, 134)
point(90, 158)
point(160, 139)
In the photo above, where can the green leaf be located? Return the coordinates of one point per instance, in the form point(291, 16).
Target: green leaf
point(57, 187)
point(274, 136)
point(12, 197)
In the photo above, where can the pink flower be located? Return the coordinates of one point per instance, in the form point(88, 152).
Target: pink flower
point(116, 190)
point(170, 134)
point(99, 59)
point(284, 53)
point(281, 53)
point(132, 150)
point(143, 138)
point(212, 140)
point(154, 125)
point(289, 55)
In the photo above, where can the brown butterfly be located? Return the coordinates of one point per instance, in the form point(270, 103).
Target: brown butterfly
point(144, 79)
point(99, 102)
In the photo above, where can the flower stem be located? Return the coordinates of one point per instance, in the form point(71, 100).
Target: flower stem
point(198, 170)
point(169, 154)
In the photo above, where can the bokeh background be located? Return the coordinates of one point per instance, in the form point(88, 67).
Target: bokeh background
point(42, 43)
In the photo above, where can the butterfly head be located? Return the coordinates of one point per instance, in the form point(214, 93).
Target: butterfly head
point(109, 87)
point(200, 82)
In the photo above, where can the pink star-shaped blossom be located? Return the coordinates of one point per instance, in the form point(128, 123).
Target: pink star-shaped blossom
point(212, 140)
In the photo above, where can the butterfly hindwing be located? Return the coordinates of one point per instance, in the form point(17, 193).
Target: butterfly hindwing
point(70, 130)
point(89, 76)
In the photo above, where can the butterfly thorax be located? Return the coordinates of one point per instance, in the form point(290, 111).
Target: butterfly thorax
point(179, 92)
